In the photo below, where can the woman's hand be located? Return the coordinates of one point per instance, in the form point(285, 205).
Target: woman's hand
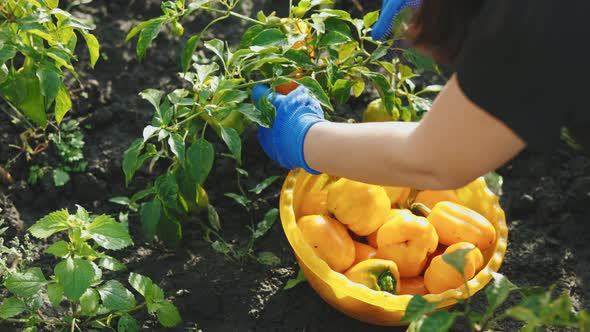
point(296, 113)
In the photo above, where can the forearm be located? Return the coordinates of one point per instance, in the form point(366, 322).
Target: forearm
point(378, 153)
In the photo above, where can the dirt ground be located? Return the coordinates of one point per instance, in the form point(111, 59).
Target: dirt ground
point(546, 199)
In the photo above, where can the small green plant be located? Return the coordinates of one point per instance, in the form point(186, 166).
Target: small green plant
point(77, 289)
point(326, 50)
point(537, 309)
point(37, 41)
point(69, 145)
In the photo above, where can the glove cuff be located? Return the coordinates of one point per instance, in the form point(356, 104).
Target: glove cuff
point(301, 156)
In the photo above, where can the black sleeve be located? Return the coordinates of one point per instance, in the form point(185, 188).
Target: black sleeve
point(518, 61)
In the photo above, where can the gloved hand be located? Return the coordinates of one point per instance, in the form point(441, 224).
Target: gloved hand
point(389, 10)
point(296, 113)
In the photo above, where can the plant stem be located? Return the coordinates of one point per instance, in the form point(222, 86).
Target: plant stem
point(230, 13)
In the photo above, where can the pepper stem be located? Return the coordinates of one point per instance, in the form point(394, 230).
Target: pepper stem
point(387, 282)
point(411, 197)
point(420, 208)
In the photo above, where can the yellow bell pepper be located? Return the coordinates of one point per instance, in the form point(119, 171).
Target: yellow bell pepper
point(478, 197)
point(441, 276)
point(398, 196)
point(456, 223)
point(413, 286)
point(329, 239)
point(377, 274)
point(431, 197)
point(406, 239)
point(363, 252)
point(362, 207)
point(314, 202)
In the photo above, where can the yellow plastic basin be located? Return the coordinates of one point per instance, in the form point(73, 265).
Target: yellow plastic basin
point(363, 303)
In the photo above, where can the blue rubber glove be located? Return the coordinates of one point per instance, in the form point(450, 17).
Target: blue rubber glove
point(296, 113)
point(389, 10)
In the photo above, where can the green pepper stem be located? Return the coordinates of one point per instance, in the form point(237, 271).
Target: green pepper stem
point(420, 209)
point(386, 282)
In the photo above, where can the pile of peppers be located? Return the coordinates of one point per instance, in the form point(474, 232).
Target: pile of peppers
point(393, 239)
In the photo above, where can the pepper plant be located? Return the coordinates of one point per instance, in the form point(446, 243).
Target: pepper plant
point(77, 288)
point(37, 42)
point(538, 307)
point(326, 50)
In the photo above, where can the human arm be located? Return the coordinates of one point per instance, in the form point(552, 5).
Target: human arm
point(454, 143)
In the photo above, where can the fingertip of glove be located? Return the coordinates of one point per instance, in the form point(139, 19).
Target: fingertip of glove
point(258, 91)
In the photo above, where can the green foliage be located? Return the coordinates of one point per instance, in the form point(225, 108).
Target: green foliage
point(40, 38)
point(327, 50)
point(78, 278)
point(538, 308)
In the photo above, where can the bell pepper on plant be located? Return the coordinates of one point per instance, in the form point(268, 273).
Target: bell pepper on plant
point(377, 274)
point(329, 239)
point(363, 252)
point(362, 207)
point(456, 223)
point(376, 112)
point(296, 26)
point(441, 276)
point(407, 239)
point(413, 286)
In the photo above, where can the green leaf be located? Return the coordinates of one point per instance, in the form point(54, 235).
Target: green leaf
point(188, 51)
point(26, 284)
point(457, 259)
point(523, 314)
point(252, 114)
point(109, 233)
point(176, 143)
point(417, 308)
point(384, 88)
point(50, 224)
point(58, 249)
point(82, 214)
point(89, 303)
point(167, 190)
point(127, 323)
point(75, 275)
point(269, 37)
point(131, 160)
point(93, 48)
point(316, 90)
point(295, 281)
point(337, 33)
point(153, 96)
point(494, 181)
point(213, 217)
point(217, 47)
point(440, 321)
point(63, 103)
point(299, 57)
point(7, 52)
point(419, 60)
point(380, 52)
point(116, 297)
point(370, 18)
point(497, 292)
point(60, 177)
point(240, 199)
point(140, 283)
point(266, 224)
point(346, 50)
point(168, 315)
point(169, 230)
point(11, 307)
point(221, 247)
point(85, 250)
point(149, 32)
point(341, 90)
point(49, 82)
point(249, 35)
point(55, 292)
point(150, 217)
point(200, 159)
point(268, 258)
point(121, 200)
point(264, 184)
point(232, 139)
point(111, 263)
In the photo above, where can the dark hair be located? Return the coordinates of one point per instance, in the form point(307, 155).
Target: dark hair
point(440, 26)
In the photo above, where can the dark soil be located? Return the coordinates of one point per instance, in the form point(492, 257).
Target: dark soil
point(544, 196)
